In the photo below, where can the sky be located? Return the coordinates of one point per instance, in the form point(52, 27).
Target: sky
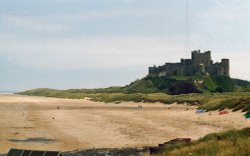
point(65, 44)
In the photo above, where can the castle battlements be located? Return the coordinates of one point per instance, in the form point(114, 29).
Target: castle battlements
point(200, 63)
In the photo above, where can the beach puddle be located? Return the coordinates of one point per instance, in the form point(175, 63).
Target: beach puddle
point(34, 140)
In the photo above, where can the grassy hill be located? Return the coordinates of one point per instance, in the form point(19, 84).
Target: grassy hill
point(230, 143)
point(182, 85)
point(170, 85)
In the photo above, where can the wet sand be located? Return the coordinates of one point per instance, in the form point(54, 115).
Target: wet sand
point(63, 124)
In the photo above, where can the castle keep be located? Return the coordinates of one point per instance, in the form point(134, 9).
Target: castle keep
point(200, 63)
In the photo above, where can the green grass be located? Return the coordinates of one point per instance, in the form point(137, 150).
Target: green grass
point(239, 82)
point(140, 86)
point(229, 143)
point(209, 85)
point(181, 85)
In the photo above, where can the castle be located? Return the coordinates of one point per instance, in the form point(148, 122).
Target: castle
point(200, 63)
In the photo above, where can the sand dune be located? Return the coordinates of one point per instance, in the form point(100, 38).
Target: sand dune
point(64, 124)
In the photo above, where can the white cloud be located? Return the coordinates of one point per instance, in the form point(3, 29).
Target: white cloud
point(64, 21)
point(224, 27)
point(33, 23)
point(92, 53)
point(108, 53)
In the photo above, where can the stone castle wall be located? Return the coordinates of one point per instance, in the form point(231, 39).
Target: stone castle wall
point(200, 63)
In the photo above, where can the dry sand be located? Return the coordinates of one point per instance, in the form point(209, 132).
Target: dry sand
point(62, 124)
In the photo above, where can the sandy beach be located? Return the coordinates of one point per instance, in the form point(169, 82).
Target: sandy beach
point(63, 124)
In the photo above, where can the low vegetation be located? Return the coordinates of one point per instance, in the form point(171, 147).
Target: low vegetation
point(230, 143)
point(234, 103)
point(208, 101)
point(218, 92)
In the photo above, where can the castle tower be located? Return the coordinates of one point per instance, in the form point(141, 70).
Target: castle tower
point(208, 59)
point(201, 60)
point(225, 65)
point(195, 56)
point(153, 71)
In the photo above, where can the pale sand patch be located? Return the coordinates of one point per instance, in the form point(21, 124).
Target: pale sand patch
point(81, 124)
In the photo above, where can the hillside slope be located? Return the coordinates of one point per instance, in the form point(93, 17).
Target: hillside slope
point(169, 85)
point(181, 85)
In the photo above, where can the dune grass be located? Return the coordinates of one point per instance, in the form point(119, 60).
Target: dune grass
point(208, 101)
point(234, 103)
point(230, 143)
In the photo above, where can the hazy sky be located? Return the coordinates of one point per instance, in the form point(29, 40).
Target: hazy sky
point(100, 43)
